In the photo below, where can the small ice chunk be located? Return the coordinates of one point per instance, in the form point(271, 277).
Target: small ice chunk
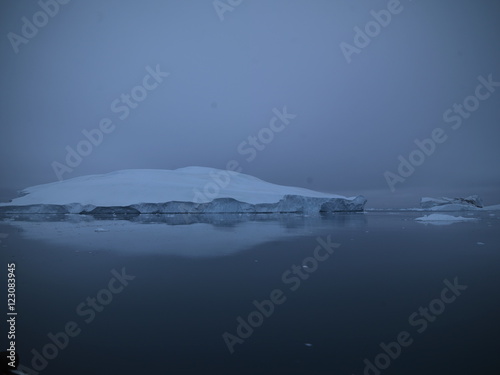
point(308, 344)
point(480, 243)
point(101, 230)
point(441, 217)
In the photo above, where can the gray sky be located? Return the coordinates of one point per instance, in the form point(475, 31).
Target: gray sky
point(355, 113)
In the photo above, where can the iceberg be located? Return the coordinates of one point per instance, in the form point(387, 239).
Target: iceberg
point(441, 219)
point(472, 202)
point(190, 190)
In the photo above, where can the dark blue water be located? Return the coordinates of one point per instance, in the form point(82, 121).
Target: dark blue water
point(189, 283)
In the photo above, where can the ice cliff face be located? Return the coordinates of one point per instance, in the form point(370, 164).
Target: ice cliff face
point(192, 190)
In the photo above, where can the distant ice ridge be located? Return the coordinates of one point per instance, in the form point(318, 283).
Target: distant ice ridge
point(191, 190)
point(472, 202)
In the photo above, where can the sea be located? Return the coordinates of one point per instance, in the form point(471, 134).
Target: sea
point(367, 293)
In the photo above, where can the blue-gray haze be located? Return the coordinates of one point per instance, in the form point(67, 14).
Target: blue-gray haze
point(363, 83)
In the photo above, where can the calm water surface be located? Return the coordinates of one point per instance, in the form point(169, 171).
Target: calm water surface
point(184, 289)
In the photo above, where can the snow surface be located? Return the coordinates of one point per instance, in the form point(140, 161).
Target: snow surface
point(132, 186)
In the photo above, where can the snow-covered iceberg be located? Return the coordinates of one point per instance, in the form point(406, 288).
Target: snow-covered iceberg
point(472, 202)
point(191, 190)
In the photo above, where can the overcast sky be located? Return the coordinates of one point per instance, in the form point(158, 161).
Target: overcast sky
point(347, 104)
